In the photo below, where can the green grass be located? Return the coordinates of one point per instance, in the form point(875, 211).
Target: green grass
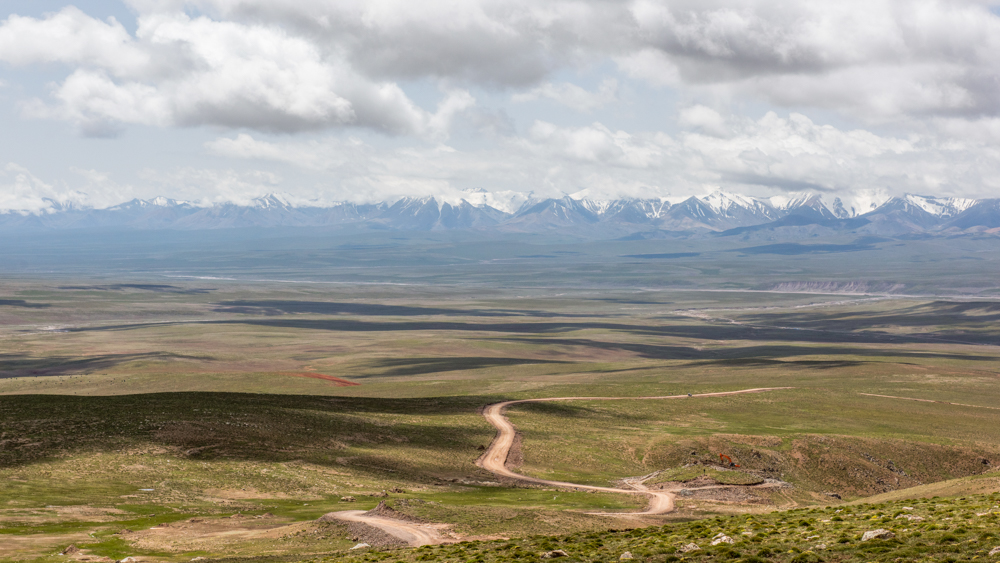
point(725, 477)
point(180, 393)
point(953, 528)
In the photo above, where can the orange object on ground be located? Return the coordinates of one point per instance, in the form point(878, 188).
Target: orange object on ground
point(723, 458)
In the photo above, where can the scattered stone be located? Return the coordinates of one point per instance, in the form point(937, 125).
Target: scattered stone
point(910, 517)
point(198, 559)
point(688, 548)
point(554, 554)
point(347, 499)
point(820, 547)
point(382, 494)
point(396, 490)
point(626, 555)
point(907, 508)
point(995, 551)
point(128, 560)
point(722, 538)
point(69, 550)
point(361, 546)
point(878, 534)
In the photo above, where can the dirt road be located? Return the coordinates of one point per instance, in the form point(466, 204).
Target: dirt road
point(495, 458)
point(412, 533)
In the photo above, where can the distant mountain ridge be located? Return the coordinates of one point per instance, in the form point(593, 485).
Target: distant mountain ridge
point(720, 212)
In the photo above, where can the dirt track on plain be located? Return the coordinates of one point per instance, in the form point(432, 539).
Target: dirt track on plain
point(495, 457)
point(413, 534)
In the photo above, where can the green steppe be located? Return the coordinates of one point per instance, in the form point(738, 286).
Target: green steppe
point(125, 407)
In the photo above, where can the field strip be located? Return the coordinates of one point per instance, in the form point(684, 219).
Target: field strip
point(930, 401)
point(495, 458)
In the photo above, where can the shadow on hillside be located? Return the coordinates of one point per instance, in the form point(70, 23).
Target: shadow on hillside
point(957, 316)
point(258, 427)
point(154, 287)
point(19, 365)
point(23, 304)
point(747, 355)
point(830, 330)
point(421, 366)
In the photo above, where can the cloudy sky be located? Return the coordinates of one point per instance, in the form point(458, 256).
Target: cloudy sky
point(226, 100)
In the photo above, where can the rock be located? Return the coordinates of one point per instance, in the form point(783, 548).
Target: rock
point(347, 499)
point(554, 554)
point(688, 548)
point(361, 546)
point(69, 550)
point(833, 495)
point(128, 560)
point(910, 517)
point(878, 534)
point(995, 551)
point(820, 547)
point(722, 538)
point(626, 555)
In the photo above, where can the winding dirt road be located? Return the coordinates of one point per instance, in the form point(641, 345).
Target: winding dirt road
point(412, 533)
point(495, 458)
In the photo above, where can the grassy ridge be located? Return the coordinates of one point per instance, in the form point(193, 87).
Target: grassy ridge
point(934, 529)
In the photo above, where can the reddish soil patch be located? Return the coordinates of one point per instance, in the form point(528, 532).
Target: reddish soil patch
point(334, 380)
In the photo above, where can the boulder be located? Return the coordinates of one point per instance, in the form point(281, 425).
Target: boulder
point(626, 555)
point(688, 548)
point(878, 534)
point(361, 546)
point(995, 551)
point(722, 538)
point(69, 550)
point(554, 554)
point(347, 499)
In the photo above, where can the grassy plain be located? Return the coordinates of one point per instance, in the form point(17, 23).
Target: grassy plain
point(128, 405)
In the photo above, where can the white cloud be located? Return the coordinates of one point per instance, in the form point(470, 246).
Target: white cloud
point(573, 96)
point(703, 119)
point(911, 85)
point(216, 73)
point(70, 37)
point(288, 66)
point(599, 145)
point(23, 192)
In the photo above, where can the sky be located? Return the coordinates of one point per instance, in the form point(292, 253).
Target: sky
point(227, 100)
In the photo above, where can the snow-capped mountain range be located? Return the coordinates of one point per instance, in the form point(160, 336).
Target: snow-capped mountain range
point(870, 212)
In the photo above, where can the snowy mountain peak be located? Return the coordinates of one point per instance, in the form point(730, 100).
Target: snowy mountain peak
point(940, 207)
point(721, 201)
point(271, 201)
